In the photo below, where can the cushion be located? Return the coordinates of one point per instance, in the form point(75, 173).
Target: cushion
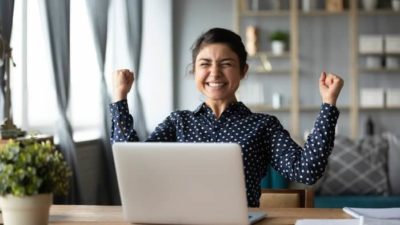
point(356, 167)
point(393, 163)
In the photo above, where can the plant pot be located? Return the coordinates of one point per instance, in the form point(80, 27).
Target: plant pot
point(278, 47)
point(32, 210)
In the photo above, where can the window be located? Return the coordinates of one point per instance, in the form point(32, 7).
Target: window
point(33, 93)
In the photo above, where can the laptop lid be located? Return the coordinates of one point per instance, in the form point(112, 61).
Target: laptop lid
point(181, 183)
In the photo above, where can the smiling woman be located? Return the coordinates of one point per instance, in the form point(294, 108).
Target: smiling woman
point(219, 63)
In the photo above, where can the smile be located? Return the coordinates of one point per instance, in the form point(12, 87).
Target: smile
point(215, 84)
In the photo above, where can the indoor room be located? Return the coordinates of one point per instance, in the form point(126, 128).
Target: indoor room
point(64, 63)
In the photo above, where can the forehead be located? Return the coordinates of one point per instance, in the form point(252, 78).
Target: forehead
point(216, 50)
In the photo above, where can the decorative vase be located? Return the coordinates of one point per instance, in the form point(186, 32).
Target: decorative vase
point(278, 47)
point(276, 4)
point(396, 5)
point(369, 5)
point(32, 210)
point(308, 5)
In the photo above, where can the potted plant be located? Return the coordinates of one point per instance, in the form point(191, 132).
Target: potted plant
point(31, 171)
point(278, 39)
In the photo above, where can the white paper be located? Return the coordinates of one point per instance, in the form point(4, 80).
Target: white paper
point(328, 222)
point(360, 221)
point(377, 213)
point(371, 221)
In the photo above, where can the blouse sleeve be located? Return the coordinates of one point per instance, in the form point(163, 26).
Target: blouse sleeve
point(165, 131)
point(305, 165)
point(122, 126)
point(122, 123)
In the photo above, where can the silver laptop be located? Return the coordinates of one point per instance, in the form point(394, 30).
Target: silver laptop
point(182, 183)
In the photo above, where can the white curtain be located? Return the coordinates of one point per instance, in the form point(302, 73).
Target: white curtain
point(56, 21)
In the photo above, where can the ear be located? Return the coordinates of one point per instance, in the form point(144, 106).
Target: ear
point(244, 72)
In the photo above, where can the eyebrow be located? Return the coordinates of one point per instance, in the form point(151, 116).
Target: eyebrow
point(224, 59)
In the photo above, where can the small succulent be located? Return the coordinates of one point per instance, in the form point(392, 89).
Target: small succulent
point(279, 36)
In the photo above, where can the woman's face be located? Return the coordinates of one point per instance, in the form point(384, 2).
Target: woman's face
point(217, 72)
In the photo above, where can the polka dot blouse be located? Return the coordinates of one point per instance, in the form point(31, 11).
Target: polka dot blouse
point(263, 140)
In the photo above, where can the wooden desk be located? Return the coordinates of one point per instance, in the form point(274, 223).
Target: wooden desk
point(112, 215)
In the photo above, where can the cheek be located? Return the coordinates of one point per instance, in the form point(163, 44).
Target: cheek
point(199, 75)
point(199, 79)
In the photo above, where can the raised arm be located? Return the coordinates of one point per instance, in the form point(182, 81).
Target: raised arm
point(122, 124)
point(306, 165)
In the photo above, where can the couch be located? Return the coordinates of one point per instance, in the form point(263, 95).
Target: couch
point(360, 173)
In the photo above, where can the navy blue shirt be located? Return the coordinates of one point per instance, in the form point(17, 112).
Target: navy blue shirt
point(263, 140)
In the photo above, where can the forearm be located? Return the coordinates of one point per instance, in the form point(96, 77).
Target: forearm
point(122, 123)
point(306, 165)
point(318, 147)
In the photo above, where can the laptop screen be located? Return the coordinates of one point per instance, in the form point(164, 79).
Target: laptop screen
point(181, 183)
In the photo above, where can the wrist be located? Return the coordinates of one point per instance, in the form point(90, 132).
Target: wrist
point(330, 102)
point(118, 97)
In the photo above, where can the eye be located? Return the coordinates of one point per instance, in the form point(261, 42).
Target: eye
point(204, 64)
point(226, 64)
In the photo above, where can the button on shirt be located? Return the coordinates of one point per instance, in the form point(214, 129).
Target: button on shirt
point(263, 140)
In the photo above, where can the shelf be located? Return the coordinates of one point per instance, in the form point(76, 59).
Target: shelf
point(357, 22)
point(265, 13)
point(391, 108)
point(270, 55)
point(324, 13)
point(365, 70)
point(266, 108)
point(383, 12)
point(318, 107)
point(269, 72)
point(379, 54)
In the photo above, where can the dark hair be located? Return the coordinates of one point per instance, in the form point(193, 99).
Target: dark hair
point(223, 36)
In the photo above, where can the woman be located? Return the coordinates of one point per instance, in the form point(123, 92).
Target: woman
point(219, 64)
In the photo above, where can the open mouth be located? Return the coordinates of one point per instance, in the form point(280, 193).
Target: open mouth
point(215, 84)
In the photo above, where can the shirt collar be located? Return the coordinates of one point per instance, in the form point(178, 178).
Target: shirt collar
point(236, 108)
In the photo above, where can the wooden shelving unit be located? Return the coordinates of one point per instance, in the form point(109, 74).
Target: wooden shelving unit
point(293, 14)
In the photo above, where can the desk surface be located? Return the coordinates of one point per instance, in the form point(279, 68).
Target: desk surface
point(112, 215)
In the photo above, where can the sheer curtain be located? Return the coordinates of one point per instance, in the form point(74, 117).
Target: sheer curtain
point(134, 29)
point(6, 18)
point(131, 30)
point(98, 14)
point(56, 21)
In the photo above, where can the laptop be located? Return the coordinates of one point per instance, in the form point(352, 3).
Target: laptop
point(182, 183)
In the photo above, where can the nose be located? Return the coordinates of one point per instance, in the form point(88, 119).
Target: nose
point(214, 70)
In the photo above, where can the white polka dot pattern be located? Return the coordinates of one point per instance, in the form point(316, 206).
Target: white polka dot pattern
point(262, 138)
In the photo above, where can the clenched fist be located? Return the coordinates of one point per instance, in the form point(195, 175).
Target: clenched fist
point(122, 83)
point(329, 87)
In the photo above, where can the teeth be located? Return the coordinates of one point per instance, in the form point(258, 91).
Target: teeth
point(215, 84)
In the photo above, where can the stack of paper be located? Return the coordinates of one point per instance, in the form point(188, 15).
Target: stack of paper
point(328, 222)
point(363, 216)
point(375, 216)
point(377, 213)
